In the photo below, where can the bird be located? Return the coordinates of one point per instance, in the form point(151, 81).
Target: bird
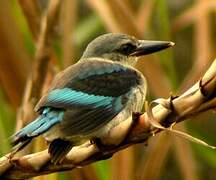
point(89, 99)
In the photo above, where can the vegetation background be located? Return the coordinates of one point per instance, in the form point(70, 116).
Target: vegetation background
point(191, 24)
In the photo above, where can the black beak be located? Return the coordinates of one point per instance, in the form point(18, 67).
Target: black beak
point(147, 47)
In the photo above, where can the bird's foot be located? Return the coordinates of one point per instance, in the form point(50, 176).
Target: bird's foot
point(135, 119)
point(100, 145)
point(10, 157)
point(102, 148)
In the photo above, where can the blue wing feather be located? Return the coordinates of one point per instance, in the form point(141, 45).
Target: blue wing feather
point(44, 122)
point(83, 112)
point(66, 98)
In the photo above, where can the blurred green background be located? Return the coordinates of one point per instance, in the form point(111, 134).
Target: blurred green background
point(191, 24)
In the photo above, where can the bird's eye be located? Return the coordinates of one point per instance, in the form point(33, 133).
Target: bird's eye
point(127, 48)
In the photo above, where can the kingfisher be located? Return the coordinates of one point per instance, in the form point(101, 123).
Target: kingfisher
point(88, 100)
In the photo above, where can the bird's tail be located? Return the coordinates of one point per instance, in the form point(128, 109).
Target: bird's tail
point(40, 125)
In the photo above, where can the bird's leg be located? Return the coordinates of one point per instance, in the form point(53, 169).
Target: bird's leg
point(10, 157)
point(135, 119)
point(102, 147)
point(99, 144)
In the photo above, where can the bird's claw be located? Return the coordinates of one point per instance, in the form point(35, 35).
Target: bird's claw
point(99, 144)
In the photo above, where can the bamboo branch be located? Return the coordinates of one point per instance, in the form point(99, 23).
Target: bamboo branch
point(199, 98)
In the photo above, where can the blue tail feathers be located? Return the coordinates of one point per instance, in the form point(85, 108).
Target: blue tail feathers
point(45, 121)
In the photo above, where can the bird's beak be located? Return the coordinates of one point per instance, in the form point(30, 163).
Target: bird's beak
point(147, 47)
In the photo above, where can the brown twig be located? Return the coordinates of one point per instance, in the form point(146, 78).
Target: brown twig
point(200, 97)
point(69, 13)
point(144, 14)
point(42, 58)
point(32, 14)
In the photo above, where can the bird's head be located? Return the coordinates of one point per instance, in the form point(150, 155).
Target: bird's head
point(123, 48)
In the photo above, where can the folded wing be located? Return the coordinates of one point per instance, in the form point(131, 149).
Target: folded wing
point(91, 93)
